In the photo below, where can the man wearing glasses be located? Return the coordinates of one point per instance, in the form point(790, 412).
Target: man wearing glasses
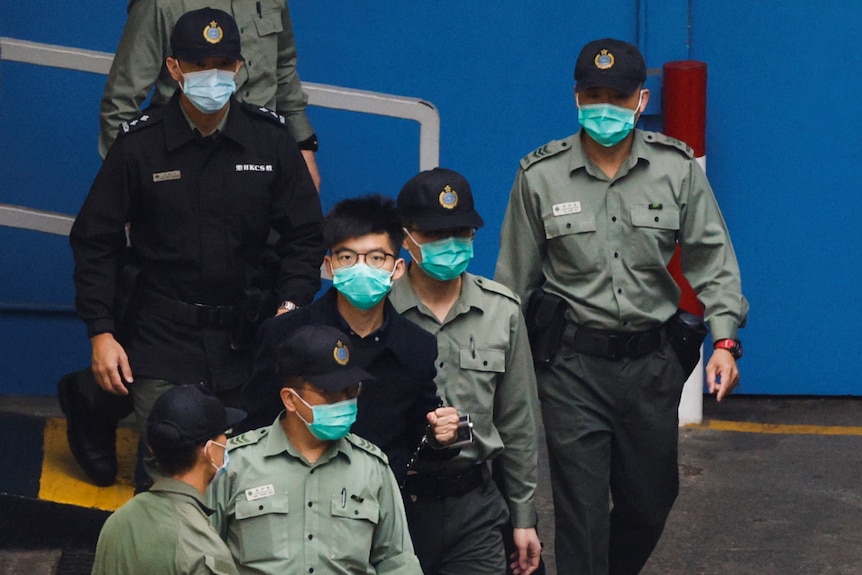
point(364, 236)
point(305, 495)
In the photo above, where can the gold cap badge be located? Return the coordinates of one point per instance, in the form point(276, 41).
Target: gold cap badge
point(213, 33)
point(340, 353)
point(448, 198)
point(604, 60)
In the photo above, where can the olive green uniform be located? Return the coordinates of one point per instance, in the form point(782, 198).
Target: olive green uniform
point(341, 515)
point(165, 530)
point(267, 78)
point(484, 368)
point(603, 244)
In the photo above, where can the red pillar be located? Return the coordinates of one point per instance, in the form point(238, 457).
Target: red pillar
point(684, 95)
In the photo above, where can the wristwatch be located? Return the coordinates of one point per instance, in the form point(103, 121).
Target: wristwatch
point(734, 346)
point(288, 305)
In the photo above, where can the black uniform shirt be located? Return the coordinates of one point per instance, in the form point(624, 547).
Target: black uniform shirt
point(200, 210)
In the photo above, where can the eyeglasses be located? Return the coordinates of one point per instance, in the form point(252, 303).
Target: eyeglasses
point(347, 258)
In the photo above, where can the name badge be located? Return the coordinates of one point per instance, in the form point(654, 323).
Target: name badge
point(254, 493)
point(567, 208)
point(166, 176)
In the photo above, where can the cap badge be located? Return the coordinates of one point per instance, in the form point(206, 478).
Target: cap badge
point(340, 353)
point(604, 60)
point(213, 33)
point(448, 198)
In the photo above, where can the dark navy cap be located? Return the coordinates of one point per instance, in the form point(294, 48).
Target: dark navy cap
point(321, 356)
point(186, 415)
point(610, 63)
point(438, 199)
point(205, 33)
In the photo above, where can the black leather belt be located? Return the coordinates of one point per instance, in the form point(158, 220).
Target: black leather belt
point(191, 314)
point(443, 486)
point(616, 345)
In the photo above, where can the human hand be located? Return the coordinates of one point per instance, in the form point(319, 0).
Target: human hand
point(529, 550)
point(110, 364)
point(444, 424)
point(311, 164)
point(722, 373)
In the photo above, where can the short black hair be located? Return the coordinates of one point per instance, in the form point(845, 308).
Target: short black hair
point(356, 217)
point(173, 461)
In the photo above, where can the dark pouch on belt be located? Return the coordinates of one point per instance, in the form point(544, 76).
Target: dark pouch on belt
point(686, 332)
point(546, 322)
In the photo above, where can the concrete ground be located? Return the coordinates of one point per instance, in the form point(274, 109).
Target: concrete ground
point(769, 486)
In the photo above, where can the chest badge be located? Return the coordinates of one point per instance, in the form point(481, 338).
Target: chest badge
point(567, 208)
point(167, 176)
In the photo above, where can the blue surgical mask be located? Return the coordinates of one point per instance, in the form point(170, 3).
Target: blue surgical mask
point(445, 259)
point(225, 461)
point(362, 285)
point(331, 420)
point(608, 124)
point(209, 90)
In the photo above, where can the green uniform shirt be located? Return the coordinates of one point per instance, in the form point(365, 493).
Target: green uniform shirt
point(165, 531)
point(604, 244)
point(267, 78)
point(484, 368)
point(342, 515)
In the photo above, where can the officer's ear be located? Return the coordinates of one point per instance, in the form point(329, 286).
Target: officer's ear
point(173, 66)
point(288, 399)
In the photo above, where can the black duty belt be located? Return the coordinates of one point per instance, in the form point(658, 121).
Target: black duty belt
point(616, 345)
point(190, 314)
point(443, 486)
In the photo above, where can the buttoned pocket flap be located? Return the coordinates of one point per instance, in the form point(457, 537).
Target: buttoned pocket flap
point(355, 507)
point(556, 226)
point(269, 23)
point(483, 359)
point(663, 218)
point(262, 506)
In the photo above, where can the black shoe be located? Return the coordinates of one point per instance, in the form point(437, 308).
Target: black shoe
point(92, 438)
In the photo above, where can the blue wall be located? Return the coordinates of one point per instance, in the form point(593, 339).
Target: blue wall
point(782, 145)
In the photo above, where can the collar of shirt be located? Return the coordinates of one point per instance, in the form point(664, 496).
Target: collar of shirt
point(578, 158)
point(173, 487)
point(471, 297)
point(179, 130)
point(393, 334)
point(276, 443)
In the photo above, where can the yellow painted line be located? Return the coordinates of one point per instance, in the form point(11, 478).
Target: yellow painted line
point(63, 481)
point(749, 427)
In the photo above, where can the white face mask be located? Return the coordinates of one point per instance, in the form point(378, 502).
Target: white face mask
point(225, 461)
point(209, 90)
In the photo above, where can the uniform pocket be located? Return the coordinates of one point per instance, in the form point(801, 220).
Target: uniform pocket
point(654, 232)
point(261, 527)
point(573, 244)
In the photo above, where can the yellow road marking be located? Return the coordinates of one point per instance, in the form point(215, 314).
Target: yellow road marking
point(748, 427)
point(64, 482)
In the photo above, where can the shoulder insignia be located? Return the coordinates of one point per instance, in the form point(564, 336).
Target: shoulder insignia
point(550, 149)
point(248, 438)
point(665, 140)
point(270, 115)
point(497, 288)
point(139, 123)
point(367, 446)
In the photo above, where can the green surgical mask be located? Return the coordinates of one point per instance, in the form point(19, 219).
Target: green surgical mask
point(362, 285)
point(445, 259)
point(332, 421)
point(608, 124)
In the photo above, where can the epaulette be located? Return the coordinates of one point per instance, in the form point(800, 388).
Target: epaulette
point(265, 113)
point(248, 438)
point(140, 123)
point(659, 138)
point(550, 149)
point(496, 287)
point(367, 446)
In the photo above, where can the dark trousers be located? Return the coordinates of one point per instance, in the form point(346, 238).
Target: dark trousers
point(612, 429)
point(459, 535)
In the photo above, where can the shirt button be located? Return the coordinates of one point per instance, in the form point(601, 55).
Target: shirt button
point(569, 225)
point(656, 218)
point(613, 219)
point(310, 504)
point(616, 254)
point(620, 290)
point(310, 536)
point(441, 364)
